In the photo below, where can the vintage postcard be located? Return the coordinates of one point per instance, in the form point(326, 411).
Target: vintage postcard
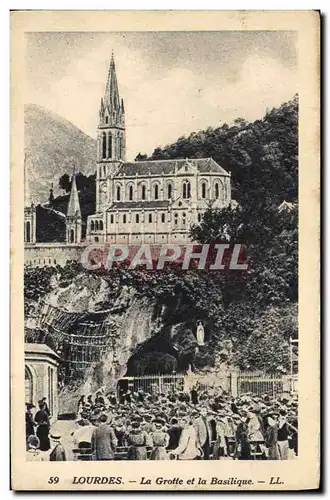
point(165, 250)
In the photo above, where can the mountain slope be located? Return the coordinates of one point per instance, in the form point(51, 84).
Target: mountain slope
point(52, 146)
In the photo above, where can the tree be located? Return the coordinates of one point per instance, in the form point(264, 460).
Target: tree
point(141, 157)
point(65, 183)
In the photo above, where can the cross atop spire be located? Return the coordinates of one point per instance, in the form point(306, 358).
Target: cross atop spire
point(74, 205)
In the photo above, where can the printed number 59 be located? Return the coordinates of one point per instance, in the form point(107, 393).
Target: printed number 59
point(53, 480)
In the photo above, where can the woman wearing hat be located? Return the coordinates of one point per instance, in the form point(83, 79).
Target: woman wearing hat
point(29, 423)
point(42, 420)
point(160, 440)
point(138, 441)
point(243, 449)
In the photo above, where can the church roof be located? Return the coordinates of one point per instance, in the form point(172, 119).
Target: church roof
point(146, 205)
point(154, 167)
point(39, 349)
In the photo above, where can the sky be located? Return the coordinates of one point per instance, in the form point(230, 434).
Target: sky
point(172, 83)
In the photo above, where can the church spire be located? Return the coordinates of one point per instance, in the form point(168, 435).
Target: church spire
point(111, 96)
point(111, 133)
point(74, 205)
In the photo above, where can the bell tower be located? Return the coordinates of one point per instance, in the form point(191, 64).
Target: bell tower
point(111, 138)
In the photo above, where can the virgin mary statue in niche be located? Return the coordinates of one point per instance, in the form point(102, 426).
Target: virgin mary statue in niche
point(200, 334)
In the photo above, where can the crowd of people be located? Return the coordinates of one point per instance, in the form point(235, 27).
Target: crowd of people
point(196, 425)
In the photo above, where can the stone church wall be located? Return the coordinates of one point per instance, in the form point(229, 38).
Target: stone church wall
point(51, 254)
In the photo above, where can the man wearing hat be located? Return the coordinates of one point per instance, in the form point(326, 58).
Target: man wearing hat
point(104, 441)
point(271, 435)
point(220, 447)
point(204, 432)
point(58, 453)
point(82, 437)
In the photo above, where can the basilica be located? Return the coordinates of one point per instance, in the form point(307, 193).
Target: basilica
point(136, 201)
point(147, 201)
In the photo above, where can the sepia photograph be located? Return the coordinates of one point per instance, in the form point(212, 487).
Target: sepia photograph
point(160, 267)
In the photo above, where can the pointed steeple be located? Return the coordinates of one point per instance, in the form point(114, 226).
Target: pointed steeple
point(74, 205)
point(111, 96)
point(27, 194)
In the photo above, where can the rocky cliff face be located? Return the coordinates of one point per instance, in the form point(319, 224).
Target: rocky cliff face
point(131, 320)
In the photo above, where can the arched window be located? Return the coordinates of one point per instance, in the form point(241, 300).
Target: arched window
point(111, 219)
point(156, 189)
point(216, 190)
point(203, 189)
point(130, 193)
point(72, 236)
point(186, 189)
point(120, 147)
point(137, 218)
point(96, 225)
point(184, 218)
point(143, 192)
point(106, 119)
point(28, 232)
point(150, 218)
point(124, 219)
point(104, 145)
point(101, 225)
point(169, 191)
point(109, 145)
point(104, 171)
point(175, 219)
point(163, 218)
point(199, 217)
point(118, 193)
point(92, 225)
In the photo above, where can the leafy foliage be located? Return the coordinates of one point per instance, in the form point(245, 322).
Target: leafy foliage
point(261, 156)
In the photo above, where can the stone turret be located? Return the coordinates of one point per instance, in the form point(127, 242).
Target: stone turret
point(73, 218)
